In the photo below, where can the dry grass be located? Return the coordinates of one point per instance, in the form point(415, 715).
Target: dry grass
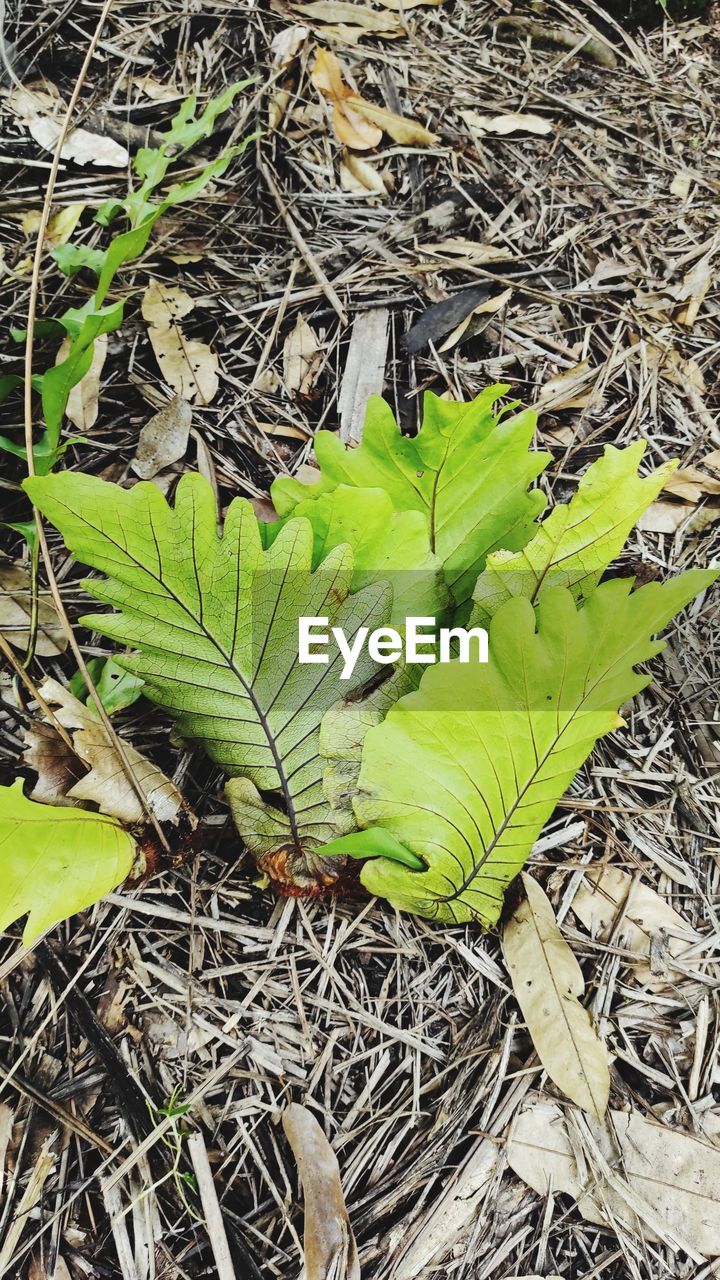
point(402, 1037)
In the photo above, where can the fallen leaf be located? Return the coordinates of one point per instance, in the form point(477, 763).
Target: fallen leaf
point(489, 307)
point(400, 6)
point(668, 517)
point(41, 112)
point(154, 90)
point(569, 389)
point(656, 1181)
point(163, 440)
point(612, 904)
point(680, 185)
point(548, 983)
point(59, 228)
point(352, 129)
point(694, 287)
point(401, 129)
point(444, 316)
point(691, 483)
point(57, 766)
point(15, 612)
point(82, 403)
point(286, 45)
point(357, 174)
point(328, 1244)
point(356, 122)
point(459, 253)
point(347, 15)
point(513, 122)
point(106, 784)
point(301, 358)
point(187, 365)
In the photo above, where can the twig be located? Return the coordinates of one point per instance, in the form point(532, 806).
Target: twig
point(211, 1208)
point(307, 254)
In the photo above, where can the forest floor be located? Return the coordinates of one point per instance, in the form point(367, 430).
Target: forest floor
point(572, 255)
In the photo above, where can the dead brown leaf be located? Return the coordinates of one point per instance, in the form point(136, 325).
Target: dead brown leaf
point(187, 365)
point(163, 440)
point(661, 1183)
point(329, 1243)
point(357, 174)
point(346, 16)
point(15, 613)
point(612, 904)
point(41, 112)
point(301, 358)
point(82, 404)
point(357, 123)
point(548, 983)
point(106, 784)
point(513, 122)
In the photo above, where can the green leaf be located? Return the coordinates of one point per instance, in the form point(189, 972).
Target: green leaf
point(8, 383)
point(59, 381)
point(575, 544)
point(186, 130)
point(386, 544)
point(124, 248)
point(468, 471)
point(116, 689)
point(376, 842)
point(215, 621)
point(55, 861)
point(466, 771)
point(72, 258)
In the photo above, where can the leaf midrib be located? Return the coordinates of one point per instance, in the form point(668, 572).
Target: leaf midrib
point(202, 629)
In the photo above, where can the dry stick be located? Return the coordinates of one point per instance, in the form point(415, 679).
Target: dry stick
point(34, 692)
point(115, 741)
point(304, 249)
point(211, 1208)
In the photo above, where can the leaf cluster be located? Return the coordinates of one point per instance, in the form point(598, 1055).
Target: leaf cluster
point(440, 779)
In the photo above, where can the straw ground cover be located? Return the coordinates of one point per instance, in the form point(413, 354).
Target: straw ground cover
point(546, 219)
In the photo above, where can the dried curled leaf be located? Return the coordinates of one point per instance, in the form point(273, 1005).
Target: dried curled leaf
point(357, 123)
point(106, 784)
point(329, 1244)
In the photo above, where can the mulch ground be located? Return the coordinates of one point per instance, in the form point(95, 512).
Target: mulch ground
point(598, 238)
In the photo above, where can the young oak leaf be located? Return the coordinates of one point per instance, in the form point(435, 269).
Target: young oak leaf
point(575, 544)
point(55, 861)
point(488, 750)
point(215, 623)
point(468, 471)
point(386, 544)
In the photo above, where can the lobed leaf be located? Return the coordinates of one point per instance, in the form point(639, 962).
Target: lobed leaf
point(575, 544)
point(486, 751)
point(386, 544)
point(215, 623)
point(468, 471)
